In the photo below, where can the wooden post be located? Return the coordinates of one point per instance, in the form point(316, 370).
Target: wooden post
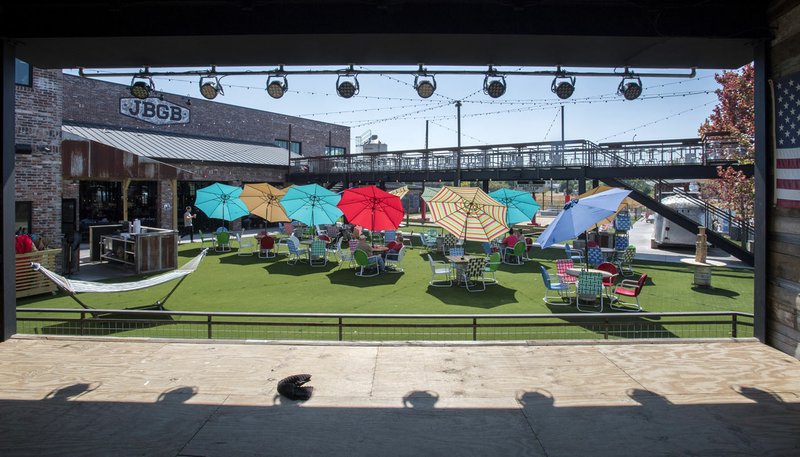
point(125, 183)
point(173, 184)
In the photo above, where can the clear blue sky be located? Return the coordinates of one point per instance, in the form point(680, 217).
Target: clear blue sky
point(389, 107)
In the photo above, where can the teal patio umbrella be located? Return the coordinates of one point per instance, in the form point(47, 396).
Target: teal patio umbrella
point(221, 201)
point(521, 205)
point(312, 204)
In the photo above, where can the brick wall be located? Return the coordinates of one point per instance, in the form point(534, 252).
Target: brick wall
point(38, 113)
point(97, 102)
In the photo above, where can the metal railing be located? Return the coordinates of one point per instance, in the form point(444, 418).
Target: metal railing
point(382, 327)
point(574, 153)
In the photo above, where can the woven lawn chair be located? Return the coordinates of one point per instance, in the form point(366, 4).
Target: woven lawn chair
point(473, 274)
point(246, 245)
point(317, 254)
point(625, 264)
point(389, 235)
point(590, 286)
point(363, 261)
point(552, 283)
point(608, 282)
point(295, 252)
point(441, 269)
point(449, 242)
point(456, 252)
point(621, 241)
point(594, 256)
point(562, 265)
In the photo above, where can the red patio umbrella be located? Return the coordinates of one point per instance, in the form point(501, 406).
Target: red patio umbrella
point(372, 208)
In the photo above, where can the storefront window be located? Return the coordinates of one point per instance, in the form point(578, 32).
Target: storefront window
point(22, 217)
point(187, 192)
point(100, 204)
point(143, 202)
point(296, 146)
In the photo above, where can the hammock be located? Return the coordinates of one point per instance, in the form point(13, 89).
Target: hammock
point(72, 287)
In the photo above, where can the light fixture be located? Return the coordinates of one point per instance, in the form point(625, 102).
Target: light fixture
point(494, 85)
point(210, 87)
point(424, 84)
point(277, 86)
point(563, 86)
point(349, 86)
point(630, 87)
point(141, 86)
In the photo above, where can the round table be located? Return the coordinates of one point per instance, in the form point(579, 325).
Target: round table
point(577, 272)
point(702, 271)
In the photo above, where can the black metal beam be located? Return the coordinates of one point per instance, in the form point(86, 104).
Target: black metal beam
point(8, 320)
point(763, 160)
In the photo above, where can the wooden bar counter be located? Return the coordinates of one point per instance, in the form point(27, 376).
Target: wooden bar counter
point(150, 251)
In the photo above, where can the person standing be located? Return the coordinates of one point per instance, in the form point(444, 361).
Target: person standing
point(187, 223)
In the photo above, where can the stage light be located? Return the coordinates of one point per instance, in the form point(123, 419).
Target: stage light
point(348, 87)
point(426, 86)
point(630, 87)
point(277, 86)
point(141, 86)
point(210, 87)
point(563, 86)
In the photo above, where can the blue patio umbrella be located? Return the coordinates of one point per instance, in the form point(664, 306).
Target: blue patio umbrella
point(312, 204)
point(521, 205)
point(221, 201)
point(581, 214)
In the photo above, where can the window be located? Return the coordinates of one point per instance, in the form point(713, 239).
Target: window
point(296, 148)
point(23, 74)
point(22, 217)
point(334, 151)
point(23, 148)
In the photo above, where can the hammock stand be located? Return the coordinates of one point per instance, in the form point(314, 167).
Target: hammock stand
point(73, 287)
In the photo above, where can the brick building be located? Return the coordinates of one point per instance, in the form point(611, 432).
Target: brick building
point(88, 152)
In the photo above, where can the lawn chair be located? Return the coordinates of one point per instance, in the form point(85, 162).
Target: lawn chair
point(206, 239)
point(246, 245)
point(266, 245)
point(439, 268)
point(456, 252)
point(549, 284)
point(223, 243)
point(514, 256)
point(363, 261)
point(625, 264)
point(317, 254)
point(428, 241)
point(294, 250)
point(345, 255)
point(389, 235)
point(590, 286)
point(491, 267)
point(562, 265)
point(608, 282)
point(395, 260)
point(630, 289)
point(449, 241)
point(473, 273)
point(573, 254)
point(594, 256)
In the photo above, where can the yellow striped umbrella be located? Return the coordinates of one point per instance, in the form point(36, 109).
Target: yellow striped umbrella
point(400, 191)
point(468, 213)
point(263, 200)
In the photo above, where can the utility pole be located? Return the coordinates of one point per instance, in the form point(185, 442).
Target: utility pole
point(458, 152)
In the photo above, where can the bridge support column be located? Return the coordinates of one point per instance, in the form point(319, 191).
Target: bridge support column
point(485, 185)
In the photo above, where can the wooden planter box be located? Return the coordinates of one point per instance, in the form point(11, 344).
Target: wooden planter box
point(31, 282)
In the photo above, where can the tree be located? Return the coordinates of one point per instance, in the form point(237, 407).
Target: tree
point(735, 115)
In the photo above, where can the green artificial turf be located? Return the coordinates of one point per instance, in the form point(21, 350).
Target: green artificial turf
point(231, 283)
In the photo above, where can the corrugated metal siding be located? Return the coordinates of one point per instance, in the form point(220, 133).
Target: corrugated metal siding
point(169, 147)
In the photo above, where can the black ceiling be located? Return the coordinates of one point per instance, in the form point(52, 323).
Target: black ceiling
point(573, 33)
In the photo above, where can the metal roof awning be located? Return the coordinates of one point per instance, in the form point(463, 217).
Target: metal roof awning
point(170, 148)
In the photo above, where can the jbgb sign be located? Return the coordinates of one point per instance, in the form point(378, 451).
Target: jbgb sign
point(154, 111)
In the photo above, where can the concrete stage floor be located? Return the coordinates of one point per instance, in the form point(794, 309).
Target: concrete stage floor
point(79, 397)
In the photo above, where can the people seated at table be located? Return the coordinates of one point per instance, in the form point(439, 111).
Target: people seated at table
point(366, 247)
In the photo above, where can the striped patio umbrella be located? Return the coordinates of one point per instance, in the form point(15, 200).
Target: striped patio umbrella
point(400, 191)
point(468, 213)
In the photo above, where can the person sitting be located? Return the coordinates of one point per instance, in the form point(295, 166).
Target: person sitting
point(364, 246)
point(509, 242)
point(357, 232)
point(24, 244)
point(394, 248)
point(325, 238)
point(288, 229)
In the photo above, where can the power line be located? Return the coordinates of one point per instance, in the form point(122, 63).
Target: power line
point(656, 121)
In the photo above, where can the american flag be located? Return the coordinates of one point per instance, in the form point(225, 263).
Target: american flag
point(787, 141)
